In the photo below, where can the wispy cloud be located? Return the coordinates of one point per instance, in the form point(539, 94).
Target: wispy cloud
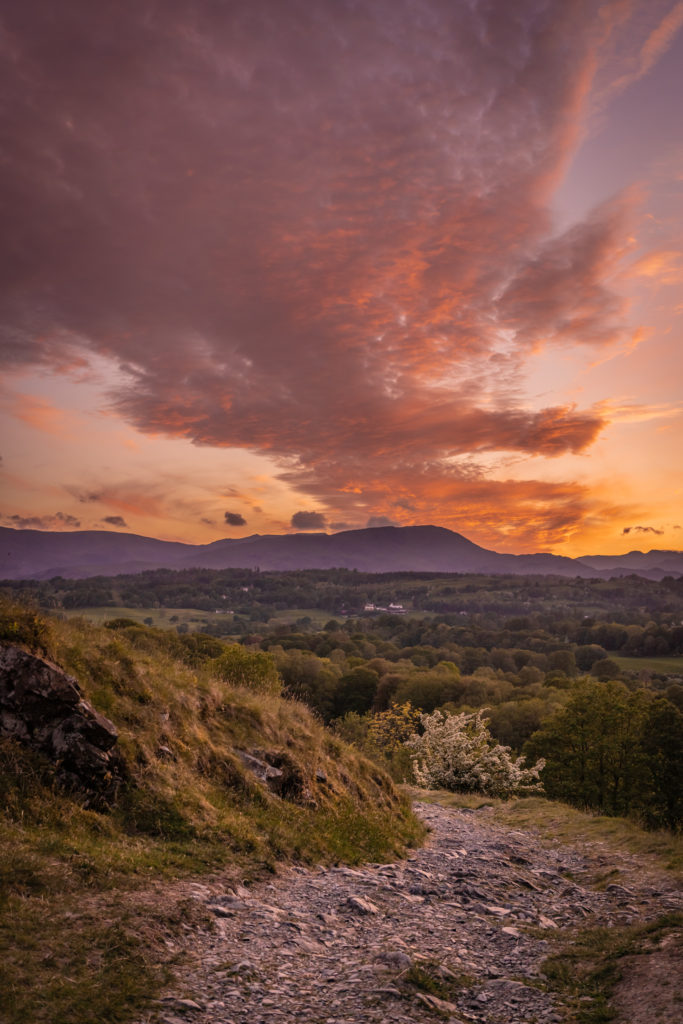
point(630, 411)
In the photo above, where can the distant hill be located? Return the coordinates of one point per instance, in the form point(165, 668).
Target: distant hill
point(653, 564)
point(35, 554)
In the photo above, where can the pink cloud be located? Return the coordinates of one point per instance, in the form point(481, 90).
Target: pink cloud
point(314, 230)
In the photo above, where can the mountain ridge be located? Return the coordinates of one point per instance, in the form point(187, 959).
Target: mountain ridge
point(79, 554)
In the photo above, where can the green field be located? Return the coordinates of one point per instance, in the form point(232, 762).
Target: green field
point(662, 666)
point(317, 616)
point(164, 618)
point(194, 618)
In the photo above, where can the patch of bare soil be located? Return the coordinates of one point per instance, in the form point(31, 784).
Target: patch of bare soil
point(651, 988)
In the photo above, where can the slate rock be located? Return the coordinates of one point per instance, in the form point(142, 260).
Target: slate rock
point(42, 708)
point(361, 906)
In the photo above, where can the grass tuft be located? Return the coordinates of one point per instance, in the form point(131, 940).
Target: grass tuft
point(586, 971)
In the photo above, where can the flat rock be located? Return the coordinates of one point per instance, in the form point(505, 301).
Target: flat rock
point(361, 906)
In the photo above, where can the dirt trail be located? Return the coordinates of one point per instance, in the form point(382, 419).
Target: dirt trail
point(457, 931)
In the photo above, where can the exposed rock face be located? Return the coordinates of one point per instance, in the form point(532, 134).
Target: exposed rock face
point(280, 773)
point(42, 707)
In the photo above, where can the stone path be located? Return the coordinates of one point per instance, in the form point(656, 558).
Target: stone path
point(457, 931)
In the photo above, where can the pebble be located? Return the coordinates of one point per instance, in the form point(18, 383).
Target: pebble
point(452, 932)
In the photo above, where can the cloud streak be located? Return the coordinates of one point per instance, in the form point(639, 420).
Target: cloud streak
point(56, 521)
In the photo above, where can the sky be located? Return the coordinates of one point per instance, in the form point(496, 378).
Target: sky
point(273, 267)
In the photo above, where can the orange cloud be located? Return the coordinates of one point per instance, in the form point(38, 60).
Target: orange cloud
point(660, 38)
point(41, 414)
point(665, 266)
point(355, 273)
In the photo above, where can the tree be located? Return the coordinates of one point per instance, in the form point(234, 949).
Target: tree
point(592, 747)
point(662, 746)
point(563, 661)
point(606, 668)
point(355, 691)
point(390, 729)
point(587, 654)
point(430, 688)
point(457, 752)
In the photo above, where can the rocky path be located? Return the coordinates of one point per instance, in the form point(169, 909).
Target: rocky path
point(457, 931)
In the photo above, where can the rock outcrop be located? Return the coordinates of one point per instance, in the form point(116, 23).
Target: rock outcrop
point(42, 707)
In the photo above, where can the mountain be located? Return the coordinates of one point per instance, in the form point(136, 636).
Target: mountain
point(37, 554)
point(34, 554)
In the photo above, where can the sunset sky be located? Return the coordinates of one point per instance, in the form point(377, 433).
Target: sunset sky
point(323, 264)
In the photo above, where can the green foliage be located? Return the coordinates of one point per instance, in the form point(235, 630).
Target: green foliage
point(591, 748)
point(605, 668)
point(24, 626)
point(661, 742)
point(513, 722)
point(381, 736)
point(431, 688)
point(254, 670)
point(308, 678)
point(587, 654)
point(390, 729)
point(614, 751)
point(355, 691)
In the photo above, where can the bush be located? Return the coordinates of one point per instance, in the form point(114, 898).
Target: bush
point(457, 752)
point(252, 669)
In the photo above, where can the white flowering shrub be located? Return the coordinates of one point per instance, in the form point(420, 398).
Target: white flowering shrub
point(458, 753)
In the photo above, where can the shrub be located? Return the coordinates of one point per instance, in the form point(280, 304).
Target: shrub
point(457, 752)
point(252, 669)
point(389, 729)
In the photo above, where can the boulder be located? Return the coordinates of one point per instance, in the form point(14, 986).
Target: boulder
point(42, 707)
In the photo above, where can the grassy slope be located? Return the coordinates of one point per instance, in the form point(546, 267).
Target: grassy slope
point(81, 937)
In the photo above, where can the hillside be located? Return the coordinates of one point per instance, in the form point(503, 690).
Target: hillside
point(200, 871)
point(218, 771)
point(34, 554)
